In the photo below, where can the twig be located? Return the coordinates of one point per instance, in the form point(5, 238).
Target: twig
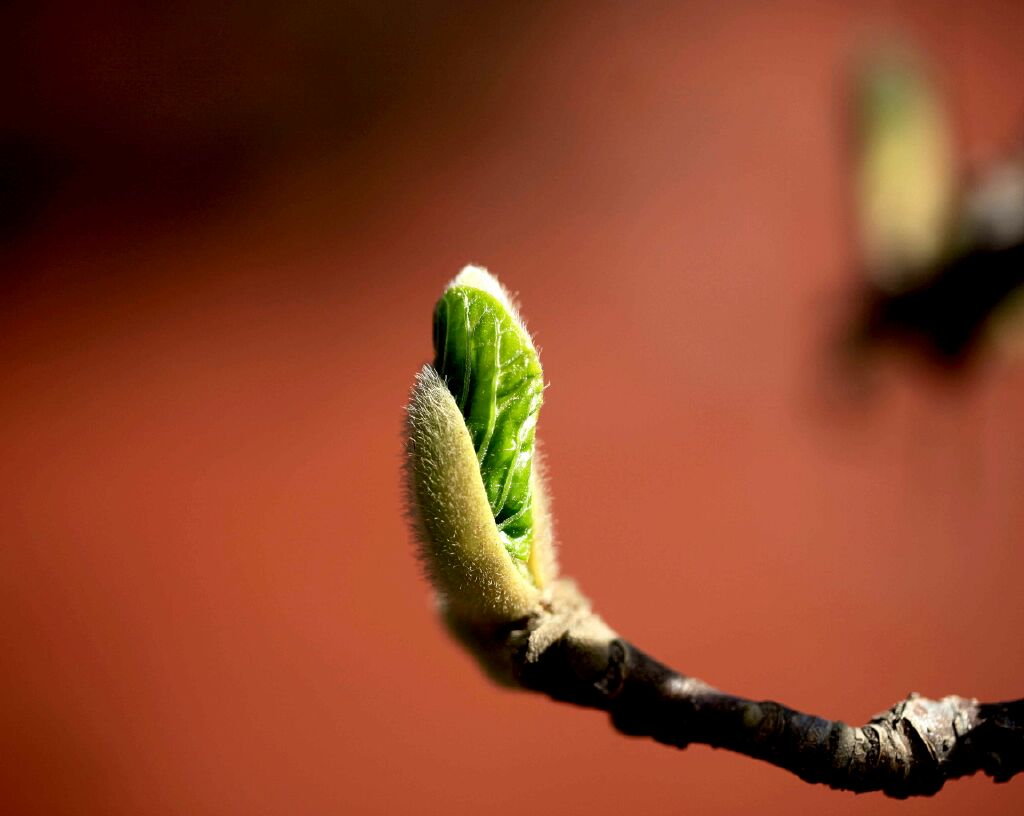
point(912, 749)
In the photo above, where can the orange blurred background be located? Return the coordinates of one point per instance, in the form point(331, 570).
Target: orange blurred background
point(223, 233)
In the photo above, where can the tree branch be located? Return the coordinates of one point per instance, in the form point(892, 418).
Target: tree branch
point(912, 749)
point(909, 750)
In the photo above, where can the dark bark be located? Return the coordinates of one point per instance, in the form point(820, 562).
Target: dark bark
point(910, 750)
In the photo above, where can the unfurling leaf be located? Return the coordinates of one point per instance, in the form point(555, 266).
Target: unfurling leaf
point(476, 495)
point(489, 363)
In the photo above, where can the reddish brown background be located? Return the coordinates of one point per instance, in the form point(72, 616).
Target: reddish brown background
point(223, 239)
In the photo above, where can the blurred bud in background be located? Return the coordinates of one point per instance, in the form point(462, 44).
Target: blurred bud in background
point(905, 175)
point(942, 251)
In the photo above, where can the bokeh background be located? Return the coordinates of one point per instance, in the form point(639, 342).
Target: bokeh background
point(222, 232)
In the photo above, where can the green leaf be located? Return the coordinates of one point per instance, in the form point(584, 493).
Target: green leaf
point(490, 365)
